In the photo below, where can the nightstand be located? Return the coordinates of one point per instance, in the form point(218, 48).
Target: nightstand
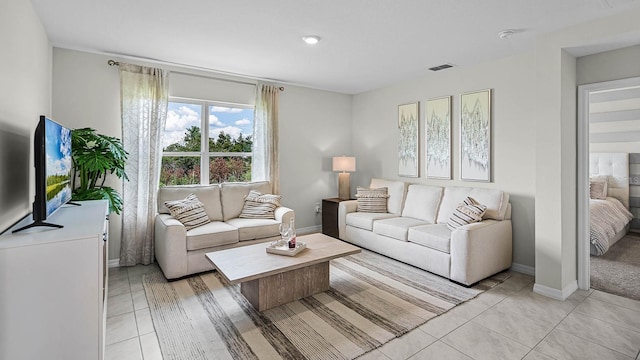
point(330, 216)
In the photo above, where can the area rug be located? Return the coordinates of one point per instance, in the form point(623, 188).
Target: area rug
point(372, 299)
point(618, 270)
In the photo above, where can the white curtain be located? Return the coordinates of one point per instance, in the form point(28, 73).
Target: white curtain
point(144, 96)
point(264, 163)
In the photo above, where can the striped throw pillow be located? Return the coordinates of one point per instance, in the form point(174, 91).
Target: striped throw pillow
point(372, 200)
point(467, 212)
point(260, 206)
point(189, 211)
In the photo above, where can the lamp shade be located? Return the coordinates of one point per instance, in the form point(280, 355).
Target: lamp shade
point(344, 163)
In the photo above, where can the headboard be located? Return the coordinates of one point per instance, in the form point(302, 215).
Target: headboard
point(616, 166)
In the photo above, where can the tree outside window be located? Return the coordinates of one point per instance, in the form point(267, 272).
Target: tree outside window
point(224, 147)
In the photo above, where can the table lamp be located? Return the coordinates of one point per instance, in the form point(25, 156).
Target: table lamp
point(344, 164)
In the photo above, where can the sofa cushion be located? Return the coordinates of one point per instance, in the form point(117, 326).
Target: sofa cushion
point(434, 236)
point(422, 202)
point(259, 206)
point(209, 195)
point(215, 233)
point(232, 196)
point(365, 220)
point(396, 228)
point(372, 200)
point(496, 201)
point(396, 190)
point(189, 211)
point(467, 212)
point(251, 229)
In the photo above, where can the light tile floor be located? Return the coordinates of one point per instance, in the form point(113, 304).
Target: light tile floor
point(506, 322)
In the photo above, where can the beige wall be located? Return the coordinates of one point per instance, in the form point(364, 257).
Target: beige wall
point(25, 94)
point(314, 125)
point(375, 134)
point(609, 65)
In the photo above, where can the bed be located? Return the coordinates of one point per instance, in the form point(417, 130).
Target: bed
point(609, 214)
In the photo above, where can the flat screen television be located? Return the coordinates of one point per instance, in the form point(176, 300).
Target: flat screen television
point(53, 165)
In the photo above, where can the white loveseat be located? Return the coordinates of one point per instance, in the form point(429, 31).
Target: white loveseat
point(414, 230)
point(181, 252)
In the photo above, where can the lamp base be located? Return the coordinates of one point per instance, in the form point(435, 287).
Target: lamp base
point(344, 186)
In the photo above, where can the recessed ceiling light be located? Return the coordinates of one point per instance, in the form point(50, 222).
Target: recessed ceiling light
point(506, 34)
point(311, 39)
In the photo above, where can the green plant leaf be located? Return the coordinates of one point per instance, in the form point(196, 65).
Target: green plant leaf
point(94, 156)
point(101, 193)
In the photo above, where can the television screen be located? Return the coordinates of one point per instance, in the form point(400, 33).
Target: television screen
point(58, 165)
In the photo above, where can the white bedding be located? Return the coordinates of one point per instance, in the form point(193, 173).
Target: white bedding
point(607, 218)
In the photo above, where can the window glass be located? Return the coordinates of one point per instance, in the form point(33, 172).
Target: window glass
point(180, 170)
point(227, 153)
point(182, 131)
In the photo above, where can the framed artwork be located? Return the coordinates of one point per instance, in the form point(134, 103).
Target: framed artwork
point(475, 136)
point(438, 138)
point(408, 140)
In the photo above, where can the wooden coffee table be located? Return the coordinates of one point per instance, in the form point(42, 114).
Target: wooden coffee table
point(269, 280)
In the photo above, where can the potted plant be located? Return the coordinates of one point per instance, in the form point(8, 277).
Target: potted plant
point(94, 156)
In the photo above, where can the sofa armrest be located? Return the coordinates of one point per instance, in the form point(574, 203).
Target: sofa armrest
point(481, 249)
point(345, 207)
point(170, 246)
point(284, 214)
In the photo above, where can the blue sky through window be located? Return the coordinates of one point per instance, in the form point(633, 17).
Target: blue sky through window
point(181, 116)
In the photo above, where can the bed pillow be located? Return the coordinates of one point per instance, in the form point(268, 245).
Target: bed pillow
point(467, 212)
point(259, 206)
point(372, 200)
point(598, 187)
point(189, 211)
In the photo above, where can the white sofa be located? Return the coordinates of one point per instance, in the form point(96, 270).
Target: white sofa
point(414, 230)
point(181, 252)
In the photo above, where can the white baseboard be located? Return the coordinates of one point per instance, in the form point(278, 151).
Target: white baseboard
point(555, 293)
point(523, 269)
point(114, 263)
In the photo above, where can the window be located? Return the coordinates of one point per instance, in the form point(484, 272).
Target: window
point(206, 135)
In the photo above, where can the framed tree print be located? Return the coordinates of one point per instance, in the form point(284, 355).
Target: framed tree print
point(475, 136)
point(408, 140)
point(438, 138)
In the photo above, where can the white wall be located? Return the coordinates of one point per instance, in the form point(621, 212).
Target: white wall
point(375, 134)
point(86, 93)
point(556, 80)
point(25, 94)
point(314, 125)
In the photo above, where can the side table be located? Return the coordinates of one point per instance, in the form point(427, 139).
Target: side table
point(330, 216)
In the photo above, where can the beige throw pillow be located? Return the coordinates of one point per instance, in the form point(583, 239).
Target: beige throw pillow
point(598, 187)
point(189, 211)
point(467, 212)
point(372, 200)
point(260, 206)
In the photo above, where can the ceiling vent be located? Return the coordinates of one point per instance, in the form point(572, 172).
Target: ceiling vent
point(440, 67)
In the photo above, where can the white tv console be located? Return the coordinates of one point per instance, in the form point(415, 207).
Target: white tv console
point(53, 286)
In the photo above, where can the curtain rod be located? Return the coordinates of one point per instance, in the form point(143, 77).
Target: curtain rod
point(112, 62)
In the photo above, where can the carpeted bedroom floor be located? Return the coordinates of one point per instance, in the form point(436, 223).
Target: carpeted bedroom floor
point(618, 270)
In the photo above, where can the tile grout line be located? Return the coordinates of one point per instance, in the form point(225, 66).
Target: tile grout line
point(468, 321)
point(554, 328)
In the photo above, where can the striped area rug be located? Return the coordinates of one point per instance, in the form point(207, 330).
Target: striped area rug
point(372, 300)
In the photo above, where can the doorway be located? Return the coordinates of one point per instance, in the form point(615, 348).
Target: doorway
point(622, 135)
